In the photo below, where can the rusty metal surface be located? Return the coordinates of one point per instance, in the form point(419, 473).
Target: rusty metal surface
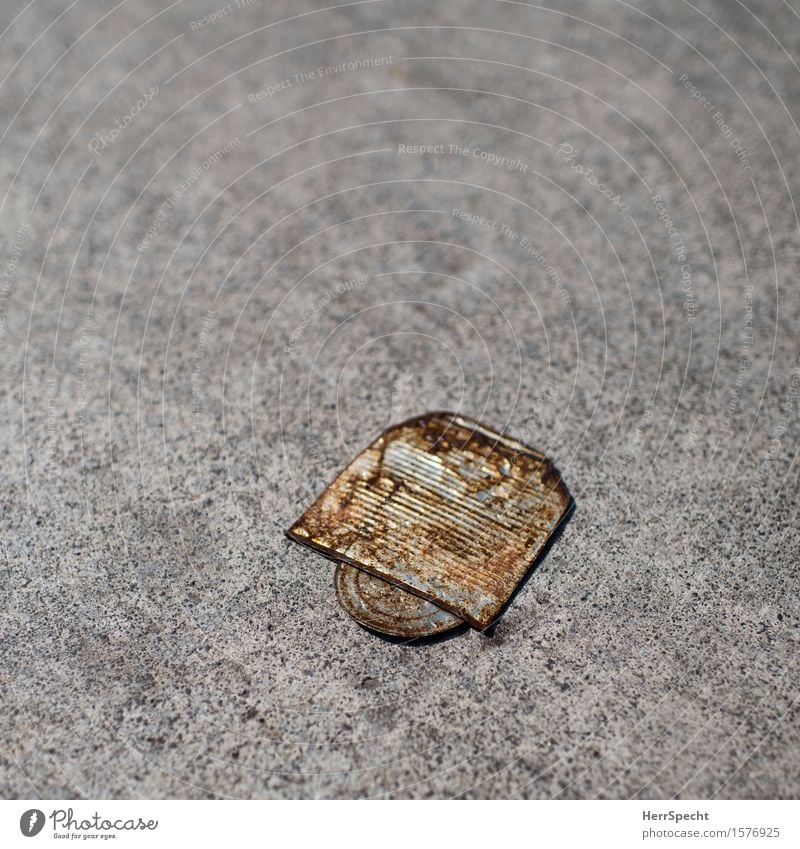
point(384, 607)
point(444, 508)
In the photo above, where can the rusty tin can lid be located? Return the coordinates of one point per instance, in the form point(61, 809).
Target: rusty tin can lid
point(445, 511)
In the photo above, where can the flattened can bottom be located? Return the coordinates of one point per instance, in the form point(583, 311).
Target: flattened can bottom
point(382, 607)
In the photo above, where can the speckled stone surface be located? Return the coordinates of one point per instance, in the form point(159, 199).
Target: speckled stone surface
point(213, 294)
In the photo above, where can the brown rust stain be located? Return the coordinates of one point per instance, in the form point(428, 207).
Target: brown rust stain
point(444, 508)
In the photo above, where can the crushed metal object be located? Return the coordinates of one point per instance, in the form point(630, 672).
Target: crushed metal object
point(434, 524)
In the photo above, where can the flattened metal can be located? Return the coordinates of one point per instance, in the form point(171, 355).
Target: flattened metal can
point(442, 508)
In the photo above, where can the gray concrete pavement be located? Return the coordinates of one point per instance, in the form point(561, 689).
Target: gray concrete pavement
point(236, 248)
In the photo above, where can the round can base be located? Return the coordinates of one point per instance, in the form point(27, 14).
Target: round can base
point(385, 608)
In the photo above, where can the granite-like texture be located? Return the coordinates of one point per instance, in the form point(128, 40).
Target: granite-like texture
point(181, 375)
